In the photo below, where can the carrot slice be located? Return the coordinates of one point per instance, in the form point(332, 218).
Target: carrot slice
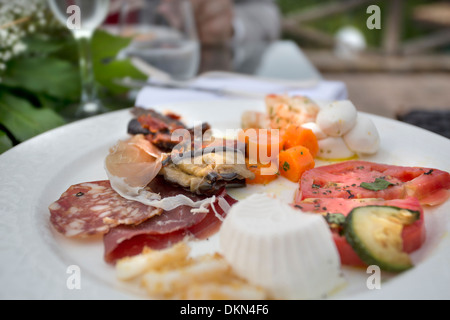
point(294, 161)
point(262, 145)
point(264, 173)
point(299, 136)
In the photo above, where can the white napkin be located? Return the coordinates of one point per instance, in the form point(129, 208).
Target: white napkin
point(320, 90)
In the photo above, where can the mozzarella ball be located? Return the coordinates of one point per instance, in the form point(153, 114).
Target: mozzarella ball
point(363, 137)
point(315, 129)
point(333, 148)
point(337, 118)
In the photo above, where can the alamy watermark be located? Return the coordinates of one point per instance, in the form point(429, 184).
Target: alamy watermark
point(237, 146)
point(374, 20)
point(374, 280)
point(74, 279)
point(74, 20)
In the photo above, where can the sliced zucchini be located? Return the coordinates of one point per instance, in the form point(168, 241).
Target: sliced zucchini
point(375, 233)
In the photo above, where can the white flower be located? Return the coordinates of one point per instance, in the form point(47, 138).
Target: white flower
point(18, 48)
point(19, 18)
point(6, 55)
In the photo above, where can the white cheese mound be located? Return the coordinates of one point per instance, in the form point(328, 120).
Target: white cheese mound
point(343, 132)
point(289, 253)
point(337, 118)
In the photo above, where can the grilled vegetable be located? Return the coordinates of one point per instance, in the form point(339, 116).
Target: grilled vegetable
point(375, 233)
point(206, 171)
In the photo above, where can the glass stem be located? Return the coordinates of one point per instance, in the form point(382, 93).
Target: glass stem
point(88, 87)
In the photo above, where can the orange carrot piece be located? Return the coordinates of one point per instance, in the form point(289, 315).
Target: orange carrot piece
point(294, 161)
point(264, 173)
point(299, 136)
point(262, 145)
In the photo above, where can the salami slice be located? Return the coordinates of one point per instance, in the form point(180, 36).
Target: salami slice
point(92, 208)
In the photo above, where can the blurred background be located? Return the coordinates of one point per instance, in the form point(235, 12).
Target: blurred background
point(392, 55)
point(400, 67)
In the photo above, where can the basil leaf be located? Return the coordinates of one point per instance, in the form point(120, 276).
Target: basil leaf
point(377, 185)
point(335, 218)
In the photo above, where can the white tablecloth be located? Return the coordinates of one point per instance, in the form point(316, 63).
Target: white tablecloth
point(321, 90)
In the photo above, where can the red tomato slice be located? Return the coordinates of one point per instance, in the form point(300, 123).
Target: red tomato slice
point(346, 180)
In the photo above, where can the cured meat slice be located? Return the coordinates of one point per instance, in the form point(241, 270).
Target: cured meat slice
point(163, 231)
point(158, 127)
point(92, 208)
point(363, 179)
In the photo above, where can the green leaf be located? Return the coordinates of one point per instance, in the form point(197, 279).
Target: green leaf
point(105, 48)
point(106, 73)
point(335, 218)
point(41, 44)
point(47, 75)
point(106, 45)
point(5, 142)
point(23, 120)
point(377, 185)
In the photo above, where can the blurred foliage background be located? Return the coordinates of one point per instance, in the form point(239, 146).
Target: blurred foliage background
point(357, 18)
point(39, 70)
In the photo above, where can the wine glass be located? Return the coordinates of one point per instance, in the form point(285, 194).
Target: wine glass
point(164, 36)
point(82, 17)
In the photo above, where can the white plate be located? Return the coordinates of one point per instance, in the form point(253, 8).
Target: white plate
point(35, 261)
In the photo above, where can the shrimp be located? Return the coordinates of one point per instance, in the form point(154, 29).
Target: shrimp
point(283, 110)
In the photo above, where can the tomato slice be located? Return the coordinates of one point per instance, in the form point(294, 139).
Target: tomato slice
point(363, 179)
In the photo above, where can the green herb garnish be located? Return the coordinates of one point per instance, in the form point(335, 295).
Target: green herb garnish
point(336, 221)
point(286, 166)
point(378, 184)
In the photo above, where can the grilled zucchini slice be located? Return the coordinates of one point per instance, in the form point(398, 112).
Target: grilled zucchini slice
point(375, 233)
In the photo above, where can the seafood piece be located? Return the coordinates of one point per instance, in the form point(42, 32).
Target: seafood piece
point(254, 120)
point(283, 110)
point(207, 170)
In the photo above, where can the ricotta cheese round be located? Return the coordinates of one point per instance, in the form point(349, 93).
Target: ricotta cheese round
point(288, 252)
